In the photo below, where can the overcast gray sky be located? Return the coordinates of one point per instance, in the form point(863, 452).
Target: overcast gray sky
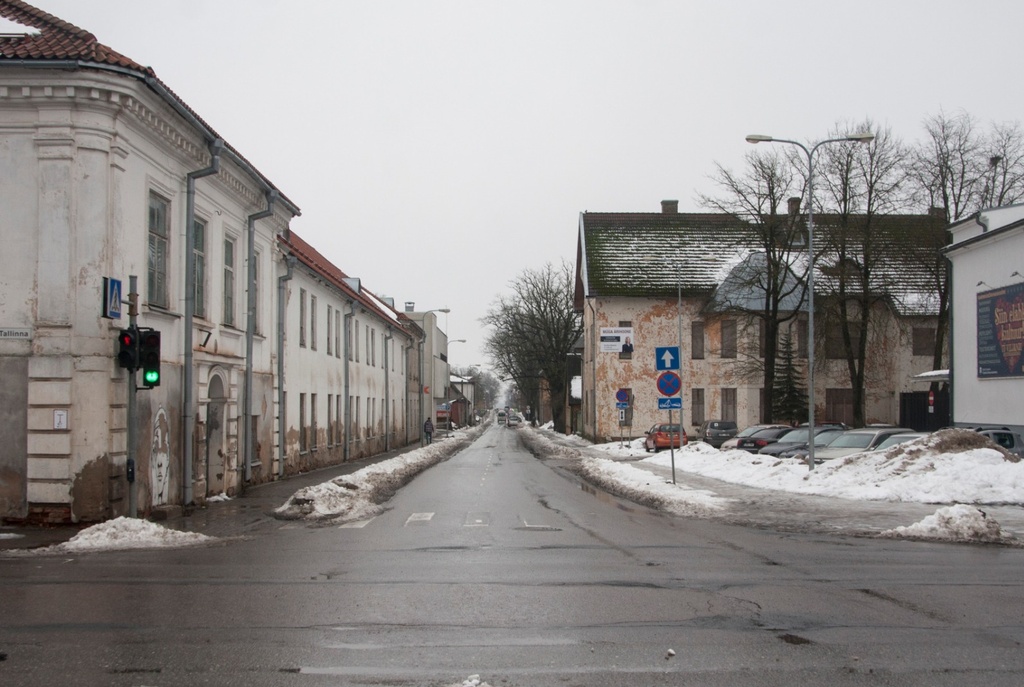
point(439, 148)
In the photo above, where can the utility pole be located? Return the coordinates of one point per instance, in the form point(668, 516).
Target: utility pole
point(132, 419)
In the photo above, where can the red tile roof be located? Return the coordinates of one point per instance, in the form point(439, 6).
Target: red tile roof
point(56, 40)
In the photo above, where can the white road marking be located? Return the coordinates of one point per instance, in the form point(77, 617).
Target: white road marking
point(419, 518)
point(356, 524)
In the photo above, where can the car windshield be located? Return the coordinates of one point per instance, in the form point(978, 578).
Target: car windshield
point(897, 439)
point(669, 428)
point(795, 436)
point(826, 438)
point(750, 430)
point(853, 440)
point(769, 433)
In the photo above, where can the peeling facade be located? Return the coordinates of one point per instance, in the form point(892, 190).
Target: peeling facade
point(656, 275)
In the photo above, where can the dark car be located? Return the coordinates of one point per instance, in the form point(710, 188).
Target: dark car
point(663, 436)
point(761, 438)
point(798, 438)
point(746, 432)
point(716, 432)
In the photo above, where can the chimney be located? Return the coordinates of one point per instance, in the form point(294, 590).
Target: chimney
point(670, 207)
point(410, 306)
point(794, 207)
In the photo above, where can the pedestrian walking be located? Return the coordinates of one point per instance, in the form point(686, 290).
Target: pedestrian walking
point(428, 430)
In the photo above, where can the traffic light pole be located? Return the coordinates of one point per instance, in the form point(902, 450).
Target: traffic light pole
point(132, 419)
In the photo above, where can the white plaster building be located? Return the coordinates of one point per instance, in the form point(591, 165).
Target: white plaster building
point(987, 368)
point(105, 173)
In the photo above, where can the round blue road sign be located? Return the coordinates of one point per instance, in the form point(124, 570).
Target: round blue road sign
point(621, 395)
point(669, 383)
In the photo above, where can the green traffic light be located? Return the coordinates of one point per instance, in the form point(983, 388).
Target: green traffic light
point(151, 376)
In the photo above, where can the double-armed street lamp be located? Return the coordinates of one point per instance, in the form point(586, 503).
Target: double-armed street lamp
point(863, 137)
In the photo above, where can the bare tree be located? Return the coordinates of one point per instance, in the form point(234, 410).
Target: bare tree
point(534, 330)
point(767, 293)
point(863, 188)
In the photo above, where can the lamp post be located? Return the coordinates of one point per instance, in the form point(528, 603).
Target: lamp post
point(448, 382)
point(864, 137)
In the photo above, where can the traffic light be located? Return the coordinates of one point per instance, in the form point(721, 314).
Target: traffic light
point(149, 357)
point(128, 348)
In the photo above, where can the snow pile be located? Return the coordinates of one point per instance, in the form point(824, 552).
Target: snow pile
point(950, 466)
point(960, 523)
point(471, 681)
point(629, 482)
point(122, 534)
point(359, 496)
point(646, 488)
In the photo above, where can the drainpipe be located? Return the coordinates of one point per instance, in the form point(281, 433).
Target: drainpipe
point(422, 418)
point(348, 394)
point(282, 415)
point(250, 332)
point(216, 148)
point(405, 370)
point(387, 392)
point(593, 371)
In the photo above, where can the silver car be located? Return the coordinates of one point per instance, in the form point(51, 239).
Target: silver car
point(857, 441)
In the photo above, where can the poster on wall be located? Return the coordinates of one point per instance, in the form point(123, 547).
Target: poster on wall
point(617, 339)
point(1001, 332)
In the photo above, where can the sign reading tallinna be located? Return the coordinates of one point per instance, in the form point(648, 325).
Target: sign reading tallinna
point(1001, 332)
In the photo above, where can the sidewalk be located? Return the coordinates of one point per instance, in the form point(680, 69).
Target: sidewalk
point(243, 515)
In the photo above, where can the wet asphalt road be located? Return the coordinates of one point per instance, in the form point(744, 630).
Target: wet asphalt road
point(500, 564)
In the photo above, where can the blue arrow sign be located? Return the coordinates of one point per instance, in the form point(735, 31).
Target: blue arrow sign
point(666, 357)
point(674, 403)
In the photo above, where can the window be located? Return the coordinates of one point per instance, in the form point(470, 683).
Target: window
point(697, 407)
point(839, 405)
point(302, 422)
point(368, 346)
point(924, 341)
point(729, 404)
point(697, 340)
point(337, 334)
point(199, 266)
point(728, 340)
point(801, 338)
point(312, 421)
point(330, 418)
point(357, 340)
point(302, 317)
point(329, 334)
point(834, 348)
point(255, 286)
point(229, 282)
point(337, 421)
point(159, 236)
point(312, 322)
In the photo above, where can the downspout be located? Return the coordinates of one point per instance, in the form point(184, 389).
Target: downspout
point(216, 148)
point(250, 332)
point(405, 370)
point(387, 392)
point(282, 415)
point(421, 419)
point(346, 450)
point(593, 372)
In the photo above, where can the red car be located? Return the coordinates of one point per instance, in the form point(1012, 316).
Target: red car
point(658, 437)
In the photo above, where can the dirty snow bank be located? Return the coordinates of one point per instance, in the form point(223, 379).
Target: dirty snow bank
point(641, 486)
point(122, 534)
point(960, 523)
point(359, 495)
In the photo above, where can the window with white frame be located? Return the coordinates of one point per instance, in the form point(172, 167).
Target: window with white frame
point(330, 333)
point(302, 318)
point(199, 266)
point(159, 250)
point(229, 282)
point(312, 322)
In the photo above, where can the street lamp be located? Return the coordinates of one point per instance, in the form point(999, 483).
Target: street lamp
point(863, 137)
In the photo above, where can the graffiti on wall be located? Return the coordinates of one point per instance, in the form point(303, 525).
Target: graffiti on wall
point(160, 458)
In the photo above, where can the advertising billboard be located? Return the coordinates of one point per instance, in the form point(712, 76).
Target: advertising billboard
point(617, 339)
point(1001, 332)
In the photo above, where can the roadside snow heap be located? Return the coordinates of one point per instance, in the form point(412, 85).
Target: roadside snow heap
point(959, 523)
point(359, 496)
point(122, 534)
point(640, 486)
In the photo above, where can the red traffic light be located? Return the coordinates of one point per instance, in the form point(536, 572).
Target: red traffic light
point(128, 349)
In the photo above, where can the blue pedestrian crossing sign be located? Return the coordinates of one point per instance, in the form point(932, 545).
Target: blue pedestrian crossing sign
point(666, 357)
point(111, 298)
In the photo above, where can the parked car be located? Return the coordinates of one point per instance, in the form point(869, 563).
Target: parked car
point(899, 439)
point(502, 417)
point(715, 432)
point(514, 420)
point(795, 443)
point(1011, 441)
point(857, 441)
point(658, 437)
point(746, 432)
point(761, 438)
